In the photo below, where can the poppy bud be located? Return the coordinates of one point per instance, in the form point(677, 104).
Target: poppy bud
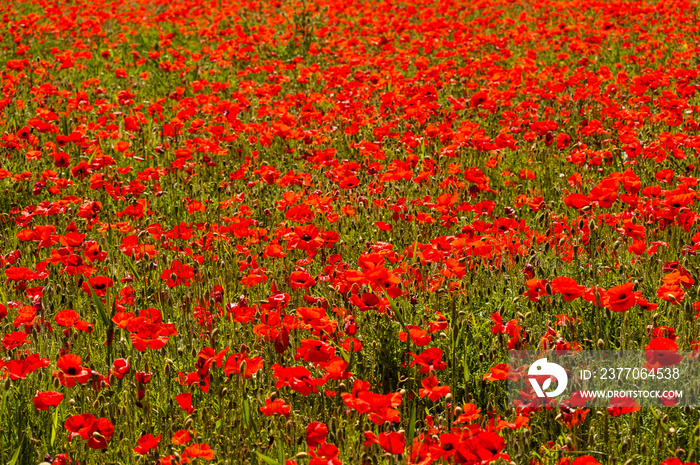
point(301, 455)
point(7, 384)
point(71, 402)
point(458, 411)
point(342, 387)
point(448, 397)
point(601, 344)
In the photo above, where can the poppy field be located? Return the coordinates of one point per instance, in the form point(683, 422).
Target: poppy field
point(309, 231)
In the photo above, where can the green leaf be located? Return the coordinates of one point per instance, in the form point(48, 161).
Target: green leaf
point(100, 306)
point(132, 267)
point(55, 425)
point(280, 453)
point(395, 309)
point(267, 459)
point(15, 457)
point(246, 412)
point(412, 427)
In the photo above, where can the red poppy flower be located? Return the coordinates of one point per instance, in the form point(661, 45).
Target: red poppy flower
point(101, 434)
point(669, 399)
point(202, 451)
point(146, 443)
point(181, 437)
point(661, 352)
point(44, 400)
point(300, 214)
point(241, 365)
point(81, 425)
point(61, 160)
point(71, 370)
point(671, 293)
point(585, 460)
point(66, 318)
point(305, 238)
point(392, 442)
point(19, 369)
point(14, 339)
point(179, 273)
point(275, 407)
point(432, 389)
point(567, 287)
point(100, 284)
point(301, 280)
point(184, 400)
point(622, 405)
point(314, 351)
point(536, 289)
point(621, 298)
point(497, 373)
point(429, 360)
point(316, 434)
point(325, 454)
point(120, 368)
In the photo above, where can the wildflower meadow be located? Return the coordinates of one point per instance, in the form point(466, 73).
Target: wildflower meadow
point(285, 232)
